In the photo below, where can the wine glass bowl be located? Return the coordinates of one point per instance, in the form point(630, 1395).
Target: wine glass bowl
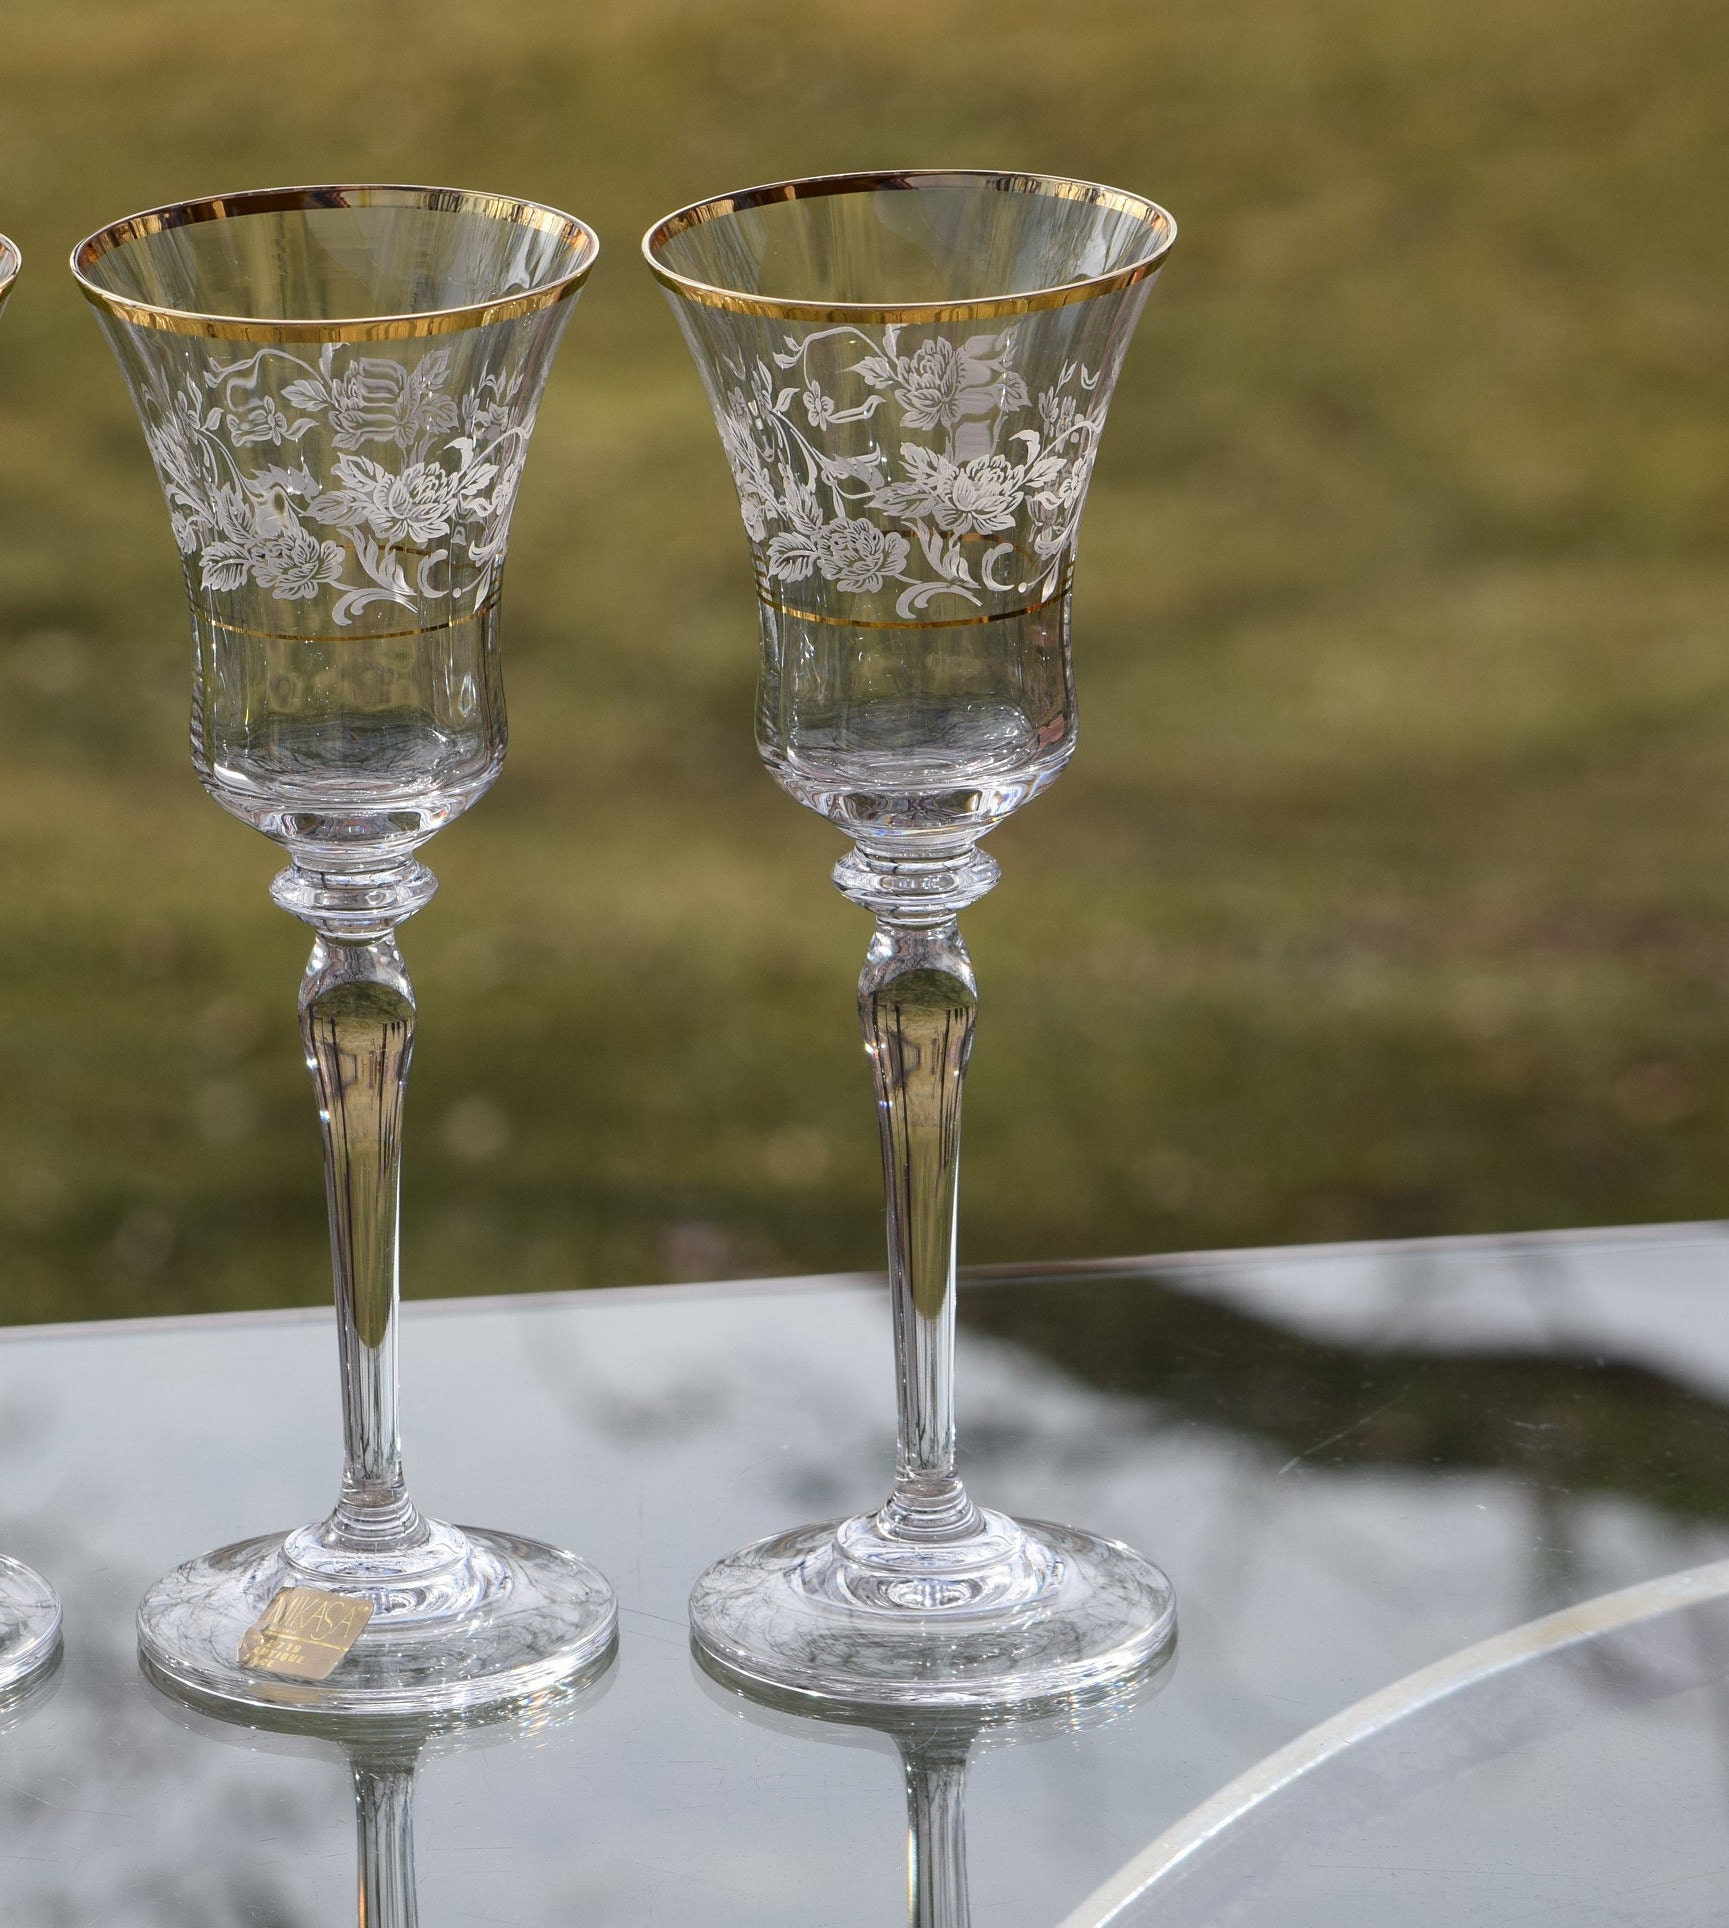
point(337, 387)
point(910, 373)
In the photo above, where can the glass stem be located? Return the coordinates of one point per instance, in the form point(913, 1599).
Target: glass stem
point(937, 1895)
point(917, 998)
point(357, 1026)
point(357, 1023)
point(384, 1820)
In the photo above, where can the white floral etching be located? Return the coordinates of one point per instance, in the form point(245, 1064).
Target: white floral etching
point(415, 505)
point(990, 463)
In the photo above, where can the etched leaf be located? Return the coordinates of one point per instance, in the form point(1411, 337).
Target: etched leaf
point(309, 396)
point(225, 565)
point(791, 558)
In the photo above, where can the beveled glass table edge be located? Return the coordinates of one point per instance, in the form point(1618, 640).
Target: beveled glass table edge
point(1473, 1666)
point(1582, 1239)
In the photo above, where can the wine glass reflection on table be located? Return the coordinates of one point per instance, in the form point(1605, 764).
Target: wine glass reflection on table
point(936, 1745)
point(384, 1753)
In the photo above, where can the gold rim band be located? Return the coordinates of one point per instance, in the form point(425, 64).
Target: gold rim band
point(265, 328)
point(1162, 235)
point(945, 622)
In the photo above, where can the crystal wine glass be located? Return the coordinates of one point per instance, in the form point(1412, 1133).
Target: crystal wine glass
point(910, 372)
point(337, 386)
point(29, 1612)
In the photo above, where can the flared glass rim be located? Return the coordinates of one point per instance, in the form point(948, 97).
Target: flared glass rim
point(10, 262)
point(1162, 234)
point(382, 327)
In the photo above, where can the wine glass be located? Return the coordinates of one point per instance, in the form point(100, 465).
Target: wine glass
point(29, 1612)
point(910, 372)
point(337, 386)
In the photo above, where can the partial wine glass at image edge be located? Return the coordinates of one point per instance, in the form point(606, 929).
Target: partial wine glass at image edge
point(337, 386)
point(29, 1610)
point(910, 373)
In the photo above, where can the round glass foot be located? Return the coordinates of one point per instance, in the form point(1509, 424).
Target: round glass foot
point(29, 1624)
point(1021, 1610)
point(470, 1620)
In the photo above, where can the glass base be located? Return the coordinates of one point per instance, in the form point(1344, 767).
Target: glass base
point(1021, 1610)
point(29, 1624)
point(467, 1621)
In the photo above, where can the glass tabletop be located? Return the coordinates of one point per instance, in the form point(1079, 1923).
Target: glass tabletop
point(1354, 1462)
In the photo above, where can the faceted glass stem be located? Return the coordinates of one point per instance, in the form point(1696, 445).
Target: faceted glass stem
point(357, 1016)
point(357, 1024)
point(917, 999)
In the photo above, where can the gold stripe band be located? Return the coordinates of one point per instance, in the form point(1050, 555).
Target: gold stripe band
point(1161, 235)
point(945, 622)
point(201, 614)
point(400, 327)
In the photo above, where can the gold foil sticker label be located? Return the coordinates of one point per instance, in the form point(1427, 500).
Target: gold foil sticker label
point(303, 1633)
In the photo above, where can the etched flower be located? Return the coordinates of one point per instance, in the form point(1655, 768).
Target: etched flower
point(962, 498)
point(381, 401)
point(415, 506)
point(1056, 488)
point(260, 421)
point(177, 451)
point(1057, 412)
point(487, 543)
point(756, 496)
point(818, 406)
point(940, 385)
point(857, 555)
point(930, 383)
point(296, 565)
point(486, 407)
point(980, 496)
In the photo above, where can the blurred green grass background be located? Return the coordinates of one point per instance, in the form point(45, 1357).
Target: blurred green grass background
point(1389, 892)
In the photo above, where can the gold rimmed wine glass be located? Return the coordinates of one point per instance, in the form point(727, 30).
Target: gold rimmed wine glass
point(338, 385)
point(910, 372)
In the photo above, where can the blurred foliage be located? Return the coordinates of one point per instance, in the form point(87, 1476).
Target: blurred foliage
point(1389, 892)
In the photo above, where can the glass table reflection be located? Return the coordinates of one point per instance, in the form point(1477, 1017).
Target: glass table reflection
point(383, 1754)
point(1355, 1462)
point(1566, 1773)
